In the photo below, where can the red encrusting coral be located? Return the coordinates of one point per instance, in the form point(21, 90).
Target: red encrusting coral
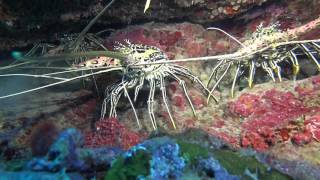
point(162, 39)
point(168, 38)
point(254, 140)
point(245, 105)
point(284, 133)
point(198, 101)
point(135, 35)
point(301, 138)
point(179, 101)
point(312, 125)
point(268, 116)
point(129, 138)
point(183, 40)
point(110, 132)
point(80, 114)
point(195, 49)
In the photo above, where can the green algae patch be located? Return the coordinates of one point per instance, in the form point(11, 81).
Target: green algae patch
point(246, 166)
point(14, 165)
point(236, 163)
point(124, 168)
point(192, 152)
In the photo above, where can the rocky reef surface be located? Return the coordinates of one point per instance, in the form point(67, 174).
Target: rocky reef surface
point(21, 20)
point(270, 131)
point(23, 23)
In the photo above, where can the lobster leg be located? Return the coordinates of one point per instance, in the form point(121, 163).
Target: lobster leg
point(317, 46)
point(114, 98)
point(295, 65)
point(164, 96)
point(138, 87)
point(235, 80)
point(132, 106)
point(183, 85)
point(251, 74)
point(185, 72)
point(276, 68)
point(109, 98)
point(307, 51)
point(216, 84)
point(214, 71)
point(267, 68)
point(150, 103)
point(293, 58)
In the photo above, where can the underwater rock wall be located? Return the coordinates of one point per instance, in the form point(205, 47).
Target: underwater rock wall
point(26, 22)
point(125, 12)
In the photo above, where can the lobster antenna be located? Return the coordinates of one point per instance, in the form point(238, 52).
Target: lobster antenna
point(58, 57)
point(229, 35)
point(231, 56)
point(91, 23)
point(49, 75)
point(60, 82)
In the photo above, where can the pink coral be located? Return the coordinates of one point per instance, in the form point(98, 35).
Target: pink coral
point(184, 39)
point(168, 38)
point(136, 35)
point(195, 49)
point(110, 132)
point(302, 138)
point(255, 140)
point(267, 114)
point(245, 105)
point(312, 125)
point(179, 101)
point(198, 102)
point(275, 108)
point(162, 39)
point(284, 134)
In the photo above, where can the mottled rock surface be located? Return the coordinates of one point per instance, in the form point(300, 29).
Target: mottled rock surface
point(26, 22)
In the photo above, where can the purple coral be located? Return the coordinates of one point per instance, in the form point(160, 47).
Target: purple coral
point(166, 162)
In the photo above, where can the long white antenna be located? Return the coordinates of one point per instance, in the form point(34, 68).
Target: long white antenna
point(60, 82)
point(229, 35)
